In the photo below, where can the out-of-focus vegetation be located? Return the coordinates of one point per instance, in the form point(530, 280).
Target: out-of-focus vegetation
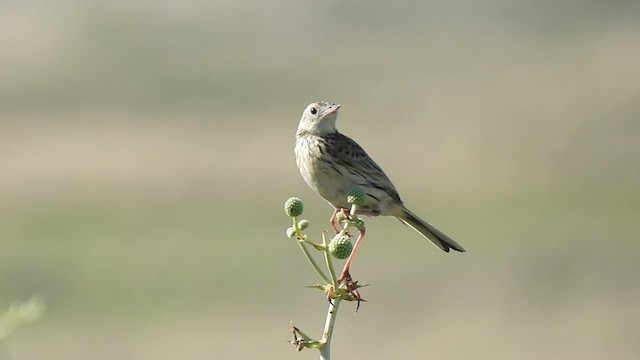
point(147, 148)
point(19, 313)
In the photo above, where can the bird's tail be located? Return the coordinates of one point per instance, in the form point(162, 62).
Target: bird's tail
point(429, 231)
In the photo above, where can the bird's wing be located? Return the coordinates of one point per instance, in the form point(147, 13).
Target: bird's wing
point(353, 157)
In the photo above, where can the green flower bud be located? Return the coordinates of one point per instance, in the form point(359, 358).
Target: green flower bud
point(356, 196)
point(293, 207)
point(291, 232)
point(303, 224)
point(340, 247)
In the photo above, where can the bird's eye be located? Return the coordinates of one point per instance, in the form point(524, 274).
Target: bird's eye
point(313, 111)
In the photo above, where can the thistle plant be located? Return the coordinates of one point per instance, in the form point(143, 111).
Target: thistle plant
point(336, 289)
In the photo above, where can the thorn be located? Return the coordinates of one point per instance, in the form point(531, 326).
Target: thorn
point(298, 342)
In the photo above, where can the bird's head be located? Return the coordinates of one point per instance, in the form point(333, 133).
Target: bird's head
point(319, 118)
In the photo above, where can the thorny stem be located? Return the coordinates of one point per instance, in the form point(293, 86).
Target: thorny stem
point(301, 340)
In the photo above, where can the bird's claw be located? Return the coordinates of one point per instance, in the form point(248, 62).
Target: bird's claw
point(350, 286)
point(334, 217)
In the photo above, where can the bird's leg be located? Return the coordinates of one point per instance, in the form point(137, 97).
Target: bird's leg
point(332, 221)
point(346, 277)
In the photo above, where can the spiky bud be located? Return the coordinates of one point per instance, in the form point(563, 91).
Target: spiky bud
point(293, 207)
point(356, 196)
point(340, 247)
point(359, 224)
point(303, 224)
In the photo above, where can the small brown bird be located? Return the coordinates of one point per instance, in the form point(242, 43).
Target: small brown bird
point(333, 164)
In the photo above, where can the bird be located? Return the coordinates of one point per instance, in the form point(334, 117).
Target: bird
point(333, 164)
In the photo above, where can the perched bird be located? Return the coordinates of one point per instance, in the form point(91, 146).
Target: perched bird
point(332, 164)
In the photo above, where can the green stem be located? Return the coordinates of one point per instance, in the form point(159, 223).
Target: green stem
point(301, 241)
point(352, 213)
point(327, 259)
point(303, 237)
point(313, 263)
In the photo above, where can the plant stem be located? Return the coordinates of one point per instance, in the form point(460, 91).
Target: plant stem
point(301, 240)
point(327, 259)
point(325, 349)
point(313, 263)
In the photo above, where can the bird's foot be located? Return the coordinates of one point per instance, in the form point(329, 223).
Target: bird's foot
point(350, 286)
point(344, 213)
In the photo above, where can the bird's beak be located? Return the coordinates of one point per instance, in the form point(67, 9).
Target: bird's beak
point(333, 108)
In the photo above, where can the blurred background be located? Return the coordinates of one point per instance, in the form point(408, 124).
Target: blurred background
point(146, 153)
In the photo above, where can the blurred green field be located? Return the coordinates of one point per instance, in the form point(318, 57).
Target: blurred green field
point(147, 151)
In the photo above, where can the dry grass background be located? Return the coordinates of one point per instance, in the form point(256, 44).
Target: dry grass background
point(147, 150)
